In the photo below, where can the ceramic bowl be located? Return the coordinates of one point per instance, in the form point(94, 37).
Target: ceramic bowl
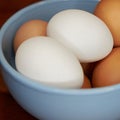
point(48, 103)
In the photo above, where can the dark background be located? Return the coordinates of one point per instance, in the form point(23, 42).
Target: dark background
point(9, 109)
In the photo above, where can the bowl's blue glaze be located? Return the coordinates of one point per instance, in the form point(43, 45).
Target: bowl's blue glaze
point(51, 103)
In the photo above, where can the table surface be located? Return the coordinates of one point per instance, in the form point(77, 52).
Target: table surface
point(9, 109)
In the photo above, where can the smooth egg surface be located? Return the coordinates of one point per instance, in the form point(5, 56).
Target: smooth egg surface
point(83, 33)
point(46, 61)
point(107, 71)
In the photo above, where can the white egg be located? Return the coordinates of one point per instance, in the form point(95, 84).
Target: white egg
point(83, 33)
point(45, 60)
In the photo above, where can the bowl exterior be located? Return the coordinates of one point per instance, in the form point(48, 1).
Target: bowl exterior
point(52, 106)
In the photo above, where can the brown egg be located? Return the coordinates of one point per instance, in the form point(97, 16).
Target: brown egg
point(107, 71)
point(86, 83)
point(29, 29)
point(109, 12)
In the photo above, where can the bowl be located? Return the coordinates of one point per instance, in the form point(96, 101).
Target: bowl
point(48, 103)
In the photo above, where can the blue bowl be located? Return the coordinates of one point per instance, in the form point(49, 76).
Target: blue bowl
point(45, 102)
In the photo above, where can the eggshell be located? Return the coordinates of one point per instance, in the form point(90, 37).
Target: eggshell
point(29, 29)
point(109, 12)
point(107, 71)
point(46, 61)
point(86, 83)
point(83, 33)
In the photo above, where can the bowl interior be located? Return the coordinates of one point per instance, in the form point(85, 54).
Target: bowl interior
point(41, 10)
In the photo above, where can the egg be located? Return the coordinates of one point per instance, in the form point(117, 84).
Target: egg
point(29, 29)
point(107, 71)
point(86, 83)
point(81, 32)
point(109, 12)
point(48, 62)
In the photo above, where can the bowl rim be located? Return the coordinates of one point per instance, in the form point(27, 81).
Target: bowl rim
point(40, 87)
